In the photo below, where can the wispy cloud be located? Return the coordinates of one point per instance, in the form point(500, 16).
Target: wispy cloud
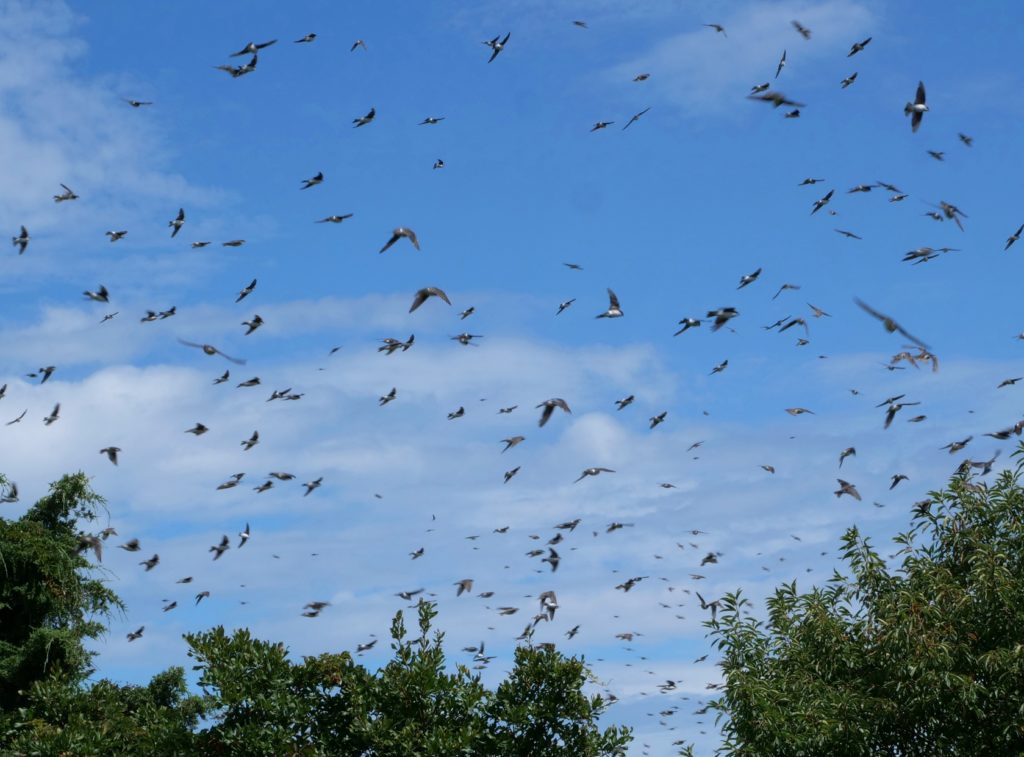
point(703, 72)
point(60, 126)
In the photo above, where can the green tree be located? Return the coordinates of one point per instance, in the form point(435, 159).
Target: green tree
point(922, 658)
point(49, 601)
point(106, 718)
point(265, 705)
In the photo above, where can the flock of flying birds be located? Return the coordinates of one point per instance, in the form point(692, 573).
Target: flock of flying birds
point(547, 552)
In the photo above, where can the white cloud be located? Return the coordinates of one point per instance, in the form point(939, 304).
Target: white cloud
point(702, 72)
point(59, 126)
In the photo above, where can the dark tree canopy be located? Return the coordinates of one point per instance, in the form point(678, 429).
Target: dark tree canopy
point(50, 603)
point(924, 656)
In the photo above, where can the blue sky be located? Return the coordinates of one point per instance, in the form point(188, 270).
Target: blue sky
point(670, 213)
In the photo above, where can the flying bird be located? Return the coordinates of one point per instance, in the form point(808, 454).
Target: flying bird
point(687, 323)
point(845, 487)
point(613, 311)
point(782, 64)
point(549, 408)
point(777, 99)
point(53, 416)
point(209, 349)
point(918, 109)
point(252, 48)
point(512, 441)
point(237, 71)
point(635, 118)
point(424, 294)
point(44, 373)
point(246, 291)
point(889, 323)
point(21, 241)
point(857, 47)
point(802, 30)
point(750, 278)
point(894, 406)
point(402, 233)
point(819, 204)
point(177, 223)
point(220, 549)
point(1014, 237)
point(722, 316)
point(370, 115)
point(100, 295)
point(313, 181)
point(783, 288)
point(467, 339)
point(712, 605)
point(497, 46)
point(67, 194)
point(718, 28)
point(253, 324)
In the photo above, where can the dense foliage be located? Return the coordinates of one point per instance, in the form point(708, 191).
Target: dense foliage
point(254, 700)
point(921, 658)
point(49, 601)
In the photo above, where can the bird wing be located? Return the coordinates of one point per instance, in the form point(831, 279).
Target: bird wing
point(439, 293)
point(419, 299)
